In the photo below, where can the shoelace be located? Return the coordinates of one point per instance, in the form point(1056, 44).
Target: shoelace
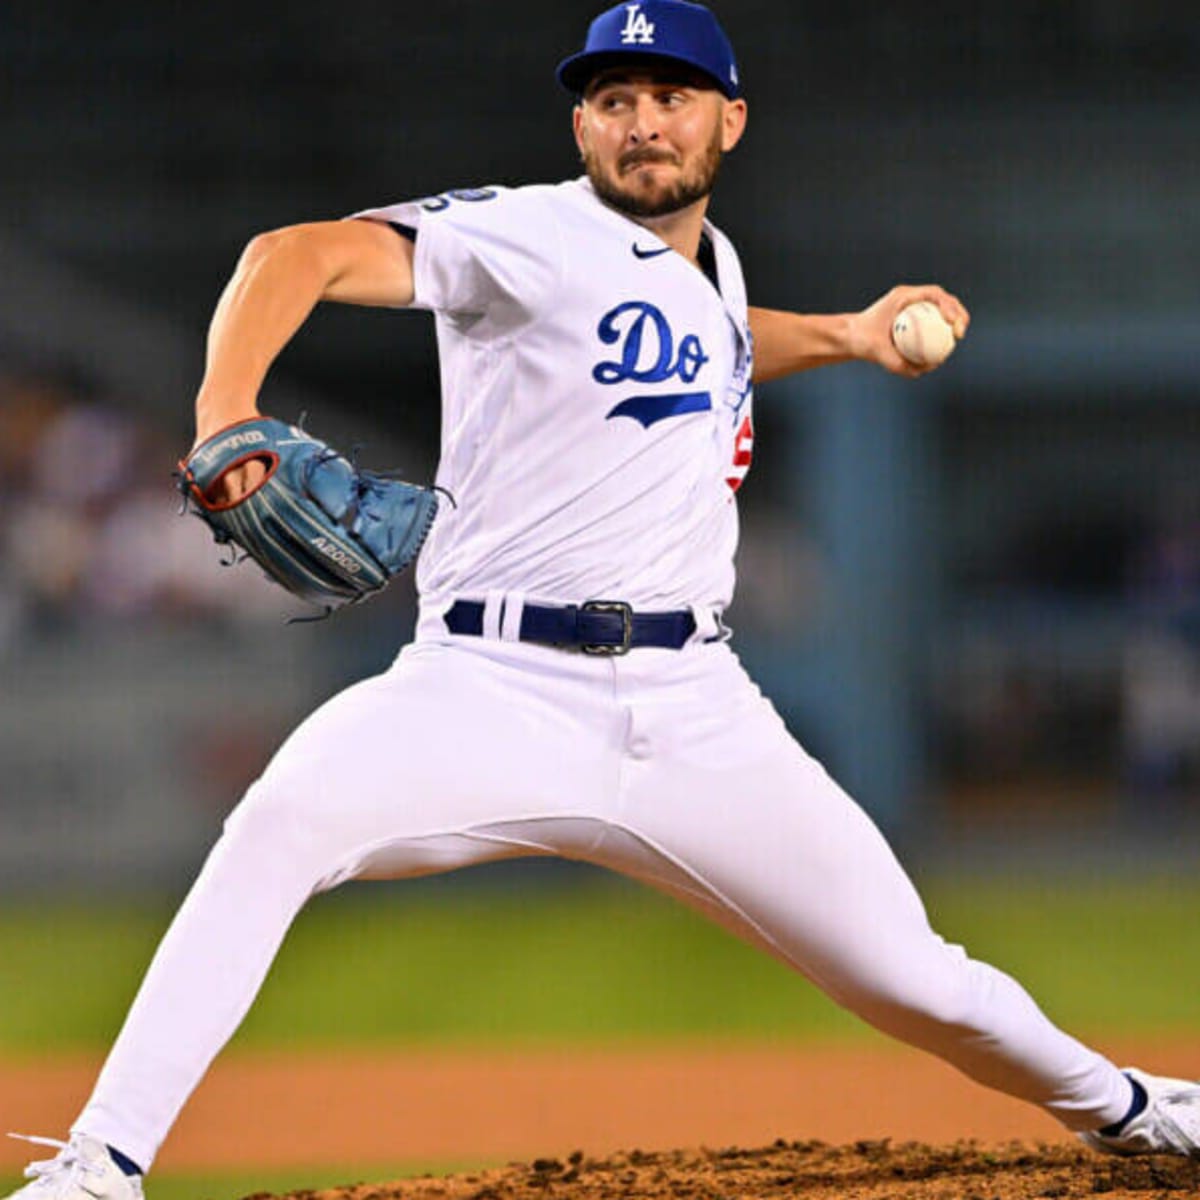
point(67, 1158)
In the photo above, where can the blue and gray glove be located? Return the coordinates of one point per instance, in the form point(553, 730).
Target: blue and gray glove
point(323, 529)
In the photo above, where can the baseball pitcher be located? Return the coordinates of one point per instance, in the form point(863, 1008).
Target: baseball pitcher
point(598, 354)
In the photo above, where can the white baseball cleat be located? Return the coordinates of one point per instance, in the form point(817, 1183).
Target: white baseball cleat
point(82, 1169)
point(1169, 1124)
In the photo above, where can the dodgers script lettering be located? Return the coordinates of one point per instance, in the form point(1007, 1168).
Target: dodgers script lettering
point(648, 353)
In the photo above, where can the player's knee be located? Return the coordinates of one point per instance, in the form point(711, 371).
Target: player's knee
point(921, 1003)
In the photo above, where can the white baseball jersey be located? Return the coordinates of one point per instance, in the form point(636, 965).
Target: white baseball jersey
point(596, 392)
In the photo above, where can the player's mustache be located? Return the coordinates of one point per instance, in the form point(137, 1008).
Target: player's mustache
point(644, 154)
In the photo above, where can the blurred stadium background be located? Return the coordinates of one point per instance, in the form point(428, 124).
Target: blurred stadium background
point(976, 598)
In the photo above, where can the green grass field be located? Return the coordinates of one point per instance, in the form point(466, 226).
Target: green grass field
point(594, 962)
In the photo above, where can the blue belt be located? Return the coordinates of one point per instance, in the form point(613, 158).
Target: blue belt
point(595, 627)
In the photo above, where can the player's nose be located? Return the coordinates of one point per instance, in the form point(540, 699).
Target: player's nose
point(645, 125)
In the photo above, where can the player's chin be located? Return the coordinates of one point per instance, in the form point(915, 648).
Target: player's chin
point(643, 185)
point(643, 192)
point(659, 196)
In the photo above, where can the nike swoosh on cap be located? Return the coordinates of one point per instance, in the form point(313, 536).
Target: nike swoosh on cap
point(654, 253)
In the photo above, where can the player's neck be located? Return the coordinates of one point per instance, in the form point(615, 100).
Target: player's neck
point(680, 230)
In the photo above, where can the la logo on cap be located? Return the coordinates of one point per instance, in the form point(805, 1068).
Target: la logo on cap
point(638, 30)
point(678, 31)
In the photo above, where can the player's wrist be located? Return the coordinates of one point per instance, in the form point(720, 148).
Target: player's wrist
point(854, 335)
point(213, 415)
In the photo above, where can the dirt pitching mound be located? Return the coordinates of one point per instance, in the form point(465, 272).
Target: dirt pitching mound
point(812, 1170)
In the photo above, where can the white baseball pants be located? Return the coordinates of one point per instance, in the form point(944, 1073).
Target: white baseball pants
point(667, 766)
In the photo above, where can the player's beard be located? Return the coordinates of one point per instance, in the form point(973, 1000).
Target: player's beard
point(693, 184)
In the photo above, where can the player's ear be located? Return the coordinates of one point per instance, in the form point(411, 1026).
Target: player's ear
point(577, 126)
point(733, 123)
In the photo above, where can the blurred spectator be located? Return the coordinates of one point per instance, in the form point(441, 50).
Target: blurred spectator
point(91, 527)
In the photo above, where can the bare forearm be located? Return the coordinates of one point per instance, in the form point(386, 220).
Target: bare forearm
point(786, 342)
point(277, 283)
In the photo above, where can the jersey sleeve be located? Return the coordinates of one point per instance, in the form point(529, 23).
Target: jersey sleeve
point(483, 251)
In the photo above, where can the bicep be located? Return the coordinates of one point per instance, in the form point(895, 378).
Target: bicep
point(367, 262)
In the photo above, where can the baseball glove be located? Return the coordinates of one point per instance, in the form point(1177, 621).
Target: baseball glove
point(323, 529)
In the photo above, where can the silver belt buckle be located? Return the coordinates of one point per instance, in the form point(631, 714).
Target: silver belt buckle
point(613, 606)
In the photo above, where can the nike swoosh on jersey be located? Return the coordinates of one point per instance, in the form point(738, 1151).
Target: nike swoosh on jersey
point(638, 252)
point(648, 409)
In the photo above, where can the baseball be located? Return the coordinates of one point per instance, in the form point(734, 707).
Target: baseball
point(923, 335)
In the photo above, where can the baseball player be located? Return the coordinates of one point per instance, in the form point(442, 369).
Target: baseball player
point(570, 689)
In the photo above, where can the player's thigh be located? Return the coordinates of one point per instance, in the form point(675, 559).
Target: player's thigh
point(443, 743)
point(749, 828)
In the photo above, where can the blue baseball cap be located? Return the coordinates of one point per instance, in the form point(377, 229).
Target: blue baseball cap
point(673, 31)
